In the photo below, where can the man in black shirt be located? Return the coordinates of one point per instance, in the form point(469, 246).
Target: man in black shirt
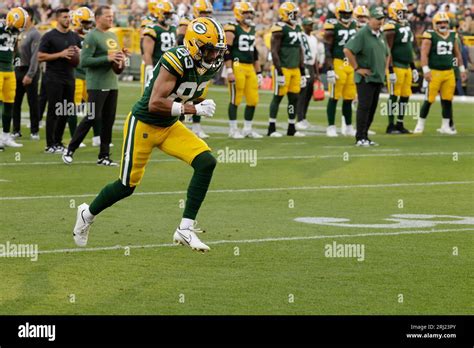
point(57, 47)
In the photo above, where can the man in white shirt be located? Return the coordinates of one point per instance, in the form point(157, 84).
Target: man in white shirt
point(313, 52)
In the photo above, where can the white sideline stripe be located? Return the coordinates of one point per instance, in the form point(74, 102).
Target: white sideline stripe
point(268, 189)
point(276, 158)
point(262, 240)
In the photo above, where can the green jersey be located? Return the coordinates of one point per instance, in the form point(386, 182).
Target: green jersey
point(164, 39)
point(99, 73)
point(80, 72)
point(190, 85)
point(243, 46)
point(7, 48)
point(402, 49)
point(290, 49)
point(341, 35)
point(441, 56)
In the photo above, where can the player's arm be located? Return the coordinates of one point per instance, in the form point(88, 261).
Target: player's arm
point(459, 60)
point(328, 47)
point(277, 37)
point(425, 51)
point(181, 31)
point(148, 48)
point(44, 56)
point(229, 35)
point(162, 89)
point(389, 37)
point(256, 61)
point(353, 62)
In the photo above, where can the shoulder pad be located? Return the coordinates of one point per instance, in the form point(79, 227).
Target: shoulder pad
point(427, 35)
point(388, 26)
point(276, 27)
point(229, 27)
point(328, 25)
point(150, 31)
point(172, 63)
point(184, 21)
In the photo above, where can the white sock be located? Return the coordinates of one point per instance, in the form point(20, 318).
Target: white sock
point(186, 223)
point(421, 121)
point(233, 124)
point(248, 125)
point(196, 127)
point(445, 123)
point(88, 215)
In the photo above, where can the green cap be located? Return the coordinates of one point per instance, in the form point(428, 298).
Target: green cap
point(307, 21)
point(377, 12)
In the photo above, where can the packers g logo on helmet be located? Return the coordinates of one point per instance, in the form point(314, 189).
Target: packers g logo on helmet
point(397, 11)
point(438, 19)
point(202, 8)
point(206, 43)
point(17, 19)
point(288, 12)
point(344, 11)
point(244, 12)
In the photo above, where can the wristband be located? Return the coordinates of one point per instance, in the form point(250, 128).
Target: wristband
point(462, 69)
point(177, 109)
point(426, 69)
point(390, 69)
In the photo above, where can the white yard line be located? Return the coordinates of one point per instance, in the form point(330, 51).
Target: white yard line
point(247, 190)
point(277, 158)
point(261, 240)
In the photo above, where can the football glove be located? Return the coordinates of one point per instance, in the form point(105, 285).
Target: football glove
point(148, 74)
point(415, 75)
point(259, 79)
point(392, 77)
point(280, 80)
point(332, 77)
point(206, 108)
point(303, 82)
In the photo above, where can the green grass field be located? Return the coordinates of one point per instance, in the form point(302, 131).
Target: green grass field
point(262, 260)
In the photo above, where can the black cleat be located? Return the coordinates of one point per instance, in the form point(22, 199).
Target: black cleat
point(391, 129)
point(106, 161)
point(402, 129)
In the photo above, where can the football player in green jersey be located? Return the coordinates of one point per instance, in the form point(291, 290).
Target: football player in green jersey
point(243, 70)
point(288, 67)
point(16, 21)
point(399, 38)
point(440, 52)
point(340, 74)
point(178, 80)
point(158, 37)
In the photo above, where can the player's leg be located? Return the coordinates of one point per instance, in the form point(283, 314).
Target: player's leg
point(251, 97)
point(432, 89)
point(447, 94)
point(278, 93)
point(94, 112)
point(136, 151)
point(335, 92)
point(348, 96)
point(405, 93)
point(236, 90)
point(19, 94)
point(8, 96)
point(68, 115)
point(183, 144)
point(294, 89)
point(392, 101)
point(108, 112)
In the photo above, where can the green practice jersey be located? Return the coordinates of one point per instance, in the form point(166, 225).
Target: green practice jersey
point(341, 35)
point(441, 56)
point(243, 46)
point(7, 47)
point(290, 49)
point(164, 39)
point(190, 85)
point(402, 49)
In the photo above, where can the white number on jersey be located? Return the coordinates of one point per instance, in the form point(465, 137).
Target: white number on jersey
point(294, 36)
point(405, 31)
point(168, 40)
point(186, 90)
point(7, 42)
point(246, 43)
point(444, 48)
point(346, 34)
